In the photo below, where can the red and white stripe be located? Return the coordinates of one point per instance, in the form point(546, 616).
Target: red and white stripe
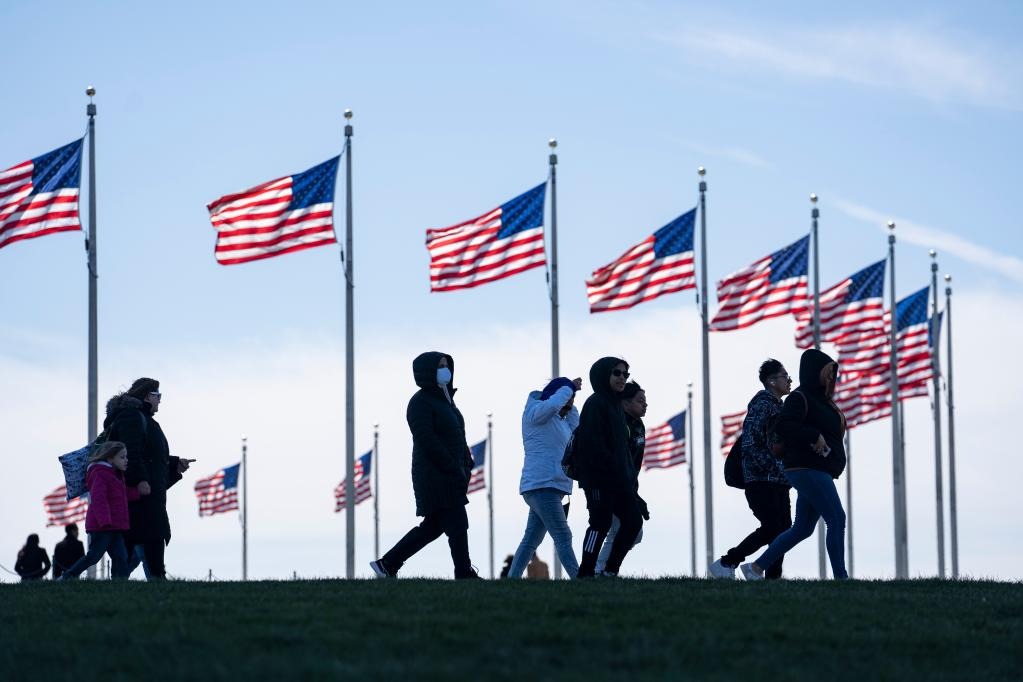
point(638, 276)
point(748, 296)
point(469, 254)
point(362, 489)
point(213, 498)
point(477, 481)
point(731, 430)
point(662, 450)
point(24, 215)
point(256, 224)
point(60, 511)
point(840, 320)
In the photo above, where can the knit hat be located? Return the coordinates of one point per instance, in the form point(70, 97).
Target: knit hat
point(556, 383)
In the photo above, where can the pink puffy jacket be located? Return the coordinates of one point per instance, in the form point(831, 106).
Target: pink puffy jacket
point(108, 504)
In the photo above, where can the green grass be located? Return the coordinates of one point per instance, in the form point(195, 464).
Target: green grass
point(418, 629)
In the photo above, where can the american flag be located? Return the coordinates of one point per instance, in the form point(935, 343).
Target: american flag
point(363, 468)
point(218, 493)
point(477, 480)
point(731, 429)
point(40, 196)
point(666, 444)
point(497, 244)
point(853, 307)
point(771, 287)
point(287, 214)
point(660, 264)
point(60, 511)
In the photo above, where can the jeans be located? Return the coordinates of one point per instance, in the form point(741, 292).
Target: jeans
point(770, 505)
point(452, 522)
point(604, 504)
point(546, 515)
point(605, 551)
point(138, 556)
point(102, 542)
point(817, 497)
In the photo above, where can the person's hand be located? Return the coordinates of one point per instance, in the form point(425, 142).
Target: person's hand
point(644, 510)
point(144, 488)
point(578, 383)
point(183, 465)
point(820, 446)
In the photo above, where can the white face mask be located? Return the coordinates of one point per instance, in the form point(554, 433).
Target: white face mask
point(443, 376)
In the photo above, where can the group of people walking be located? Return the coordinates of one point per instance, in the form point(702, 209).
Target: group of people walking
point(790, 439)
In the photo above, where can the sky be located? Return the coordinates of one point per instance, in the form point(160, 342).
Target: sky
point(909, 113)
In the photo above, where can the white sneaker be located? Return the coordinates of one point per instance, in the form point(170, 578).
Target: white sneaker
point(719, 570)
point(748, 573)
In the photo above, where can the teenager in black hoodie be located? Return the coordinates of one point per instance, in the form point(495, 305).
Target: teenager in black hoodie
point(812, 428)
point(607, 473)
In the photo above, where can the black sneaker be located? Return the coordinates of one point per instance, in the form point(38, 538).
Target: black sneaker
point(381, 569)
point(471, 575)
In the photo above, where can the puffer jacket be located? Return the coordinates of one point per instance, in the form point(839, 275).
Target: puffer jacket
point(545, 433)
point(108, 498)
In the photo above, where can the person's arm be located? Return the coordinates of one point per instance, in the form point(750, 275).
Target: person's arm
point(542, 411)
point(573, 418)
point(19, 564)
point(420, 423)
point(46, 563)
point(133, 492)
point(102, 489)
point(130, 429)
point(754, 436)
point(173, 472)
point(791, 423)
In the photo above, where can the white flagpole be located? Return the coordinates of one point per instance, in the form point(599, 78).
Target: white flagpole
point(349, 361)
point(704, 295)
point(490, 486)
point(692, 484)
point(376, 489)
point(245, 509)
point(898, 463)
point(555, 336)
point(953, 518)
point(936, 367)
point(822, 565)
point(90, 245)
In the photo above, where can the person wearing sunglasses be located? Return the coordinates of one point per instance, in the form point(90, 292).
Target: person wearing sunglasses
point(605, 468)
point(812, 429)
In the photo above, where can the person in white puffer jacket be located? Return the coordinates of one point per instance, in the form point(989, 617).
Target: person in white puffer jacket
point(548, 421)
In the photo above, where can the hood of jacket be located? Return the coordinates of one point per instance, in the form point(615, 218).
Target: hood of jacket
point(424, 370)
point(123, 401)
point(600, 375)
point(812, 367)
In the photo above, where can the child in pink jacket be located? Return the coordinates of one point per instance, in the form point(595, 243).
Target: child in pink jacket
point(107, 517)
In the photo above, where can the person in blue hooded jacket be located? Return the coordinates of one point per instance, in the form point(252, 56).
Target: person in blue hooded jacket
point(548, 421)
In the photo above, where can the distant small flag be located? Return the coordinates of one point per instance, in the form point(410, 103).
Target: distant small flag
point(731, 430)
point(853, 307)
point(363, 469)
point(666, 444)
point(497, 244)
point(40, 196)
point(771, 287)
point(660, 264)
point(287, 214)
point(218, 493)
point(477, 480)
point(60, 511)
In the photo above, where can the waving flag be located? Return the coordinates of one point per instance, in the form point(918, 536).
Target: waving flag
point(497, 244)
point(853, 307)
point(363, 492)
point(218, 493)
point(666, 444)
point(731, 429)
point(40, 196)
point(287, 214)
point(60, 511)
point(771, 287)
point(660, 264)
point(479, 456)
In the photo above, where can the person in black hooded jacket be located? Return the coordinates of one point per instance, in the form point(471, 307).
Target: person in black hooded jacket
point(441, 466)
point(606, 470)
point(812, 428)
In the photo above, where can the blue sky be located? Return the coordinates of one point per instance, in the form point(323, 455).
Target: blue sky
point(909, 112)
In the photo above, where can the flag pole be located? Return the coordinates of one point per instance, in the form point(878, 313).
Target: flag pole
point(555, 347)
point(952, 515)
point(349, 361)
point(849, 502)
point(936, 366)
point(898, 464)
point(692, 485)
point(376, 489)
point(245, 509)
point(90, 246)
point(490, 485)
point(707, 480)
point(822, 566)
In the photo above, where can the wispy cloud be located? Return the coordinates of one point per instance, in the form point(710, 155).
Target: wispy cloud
point(906, 59)
point(737, 154)
point(938, 239)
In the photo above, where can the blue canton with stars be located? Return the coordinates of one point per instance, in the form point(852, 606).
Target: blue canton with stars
point(792, 261)
point(479, 454)
point(524, 212)
point(367, 463)
point(231, 476)
point(678, 425)
point(867, 283)
point(314, 186)
point(912, 309)
point(675, 237)
point(59, 169)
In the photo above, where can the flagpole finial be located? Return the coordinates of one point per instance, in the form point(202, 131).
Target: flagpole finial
point(552, 143)
point(701, 171)
point(948, 278)
point(813, 197)
point(348, 114)
point(932, 253)
point(90, 91)
point(891, 225)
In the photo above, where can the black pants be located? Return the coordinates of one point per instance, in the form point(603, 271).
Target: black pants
point(451, 522)
point(603, 504)
point(154, 549)
point(770, 504)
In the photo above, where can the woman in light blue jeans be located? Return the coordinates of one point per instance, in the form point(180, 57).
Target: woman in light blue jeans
point(548, 421)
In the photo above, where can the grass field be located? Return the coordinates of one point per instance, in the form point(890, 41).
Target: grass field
point(642, 629)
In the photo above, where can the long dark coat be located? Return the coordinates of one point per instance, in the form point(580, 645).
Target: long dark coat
point(441, 463)
point(808, 412)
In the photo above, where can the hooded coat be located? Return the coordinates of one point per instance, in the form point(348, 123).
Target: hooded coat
point(601, 445)
point(108, 498)
point(130, 421)
point(809, 412)
point(441, 463)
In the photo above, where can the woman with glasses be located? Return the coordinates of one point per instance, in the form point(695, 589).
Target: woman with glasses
point(606, 471)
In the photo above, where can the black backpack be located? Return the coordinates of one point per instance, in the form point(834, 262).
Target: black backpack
point(568, 464)
point(733, 466)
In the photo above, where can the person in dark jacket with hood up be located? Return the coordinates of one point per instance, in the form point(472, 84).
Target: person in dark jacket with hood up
point(812, 429)
point(606, 470)
point(441, 466)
